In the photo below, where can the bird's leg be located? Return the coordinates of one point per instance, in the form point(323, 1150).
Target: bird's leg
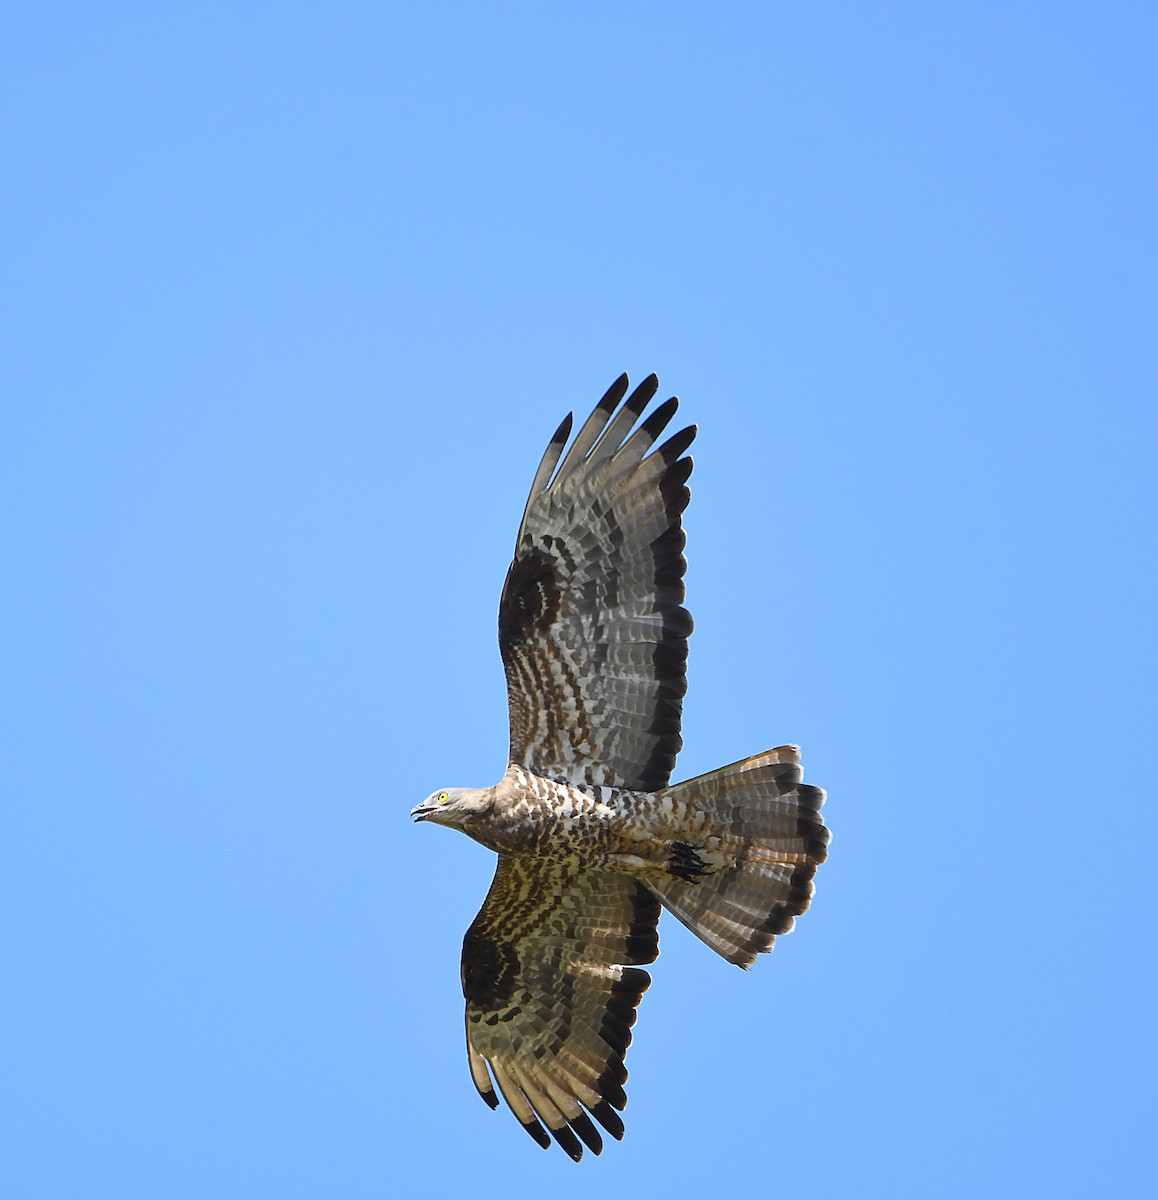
point(685, 863)
point(627, 864)
point(680, 859)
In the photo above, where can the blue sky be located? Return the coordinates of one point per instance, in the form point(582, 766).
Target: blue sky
point(293, 298)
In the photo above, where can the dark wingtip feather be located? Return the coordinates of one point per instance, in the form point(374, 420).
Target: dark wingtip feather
point(644, 392)
point(608, 403)
point(673, 481)
point(678, 443)
point(563, 432)
point(609, 1119)
point(656, 423)
point(610, 1086)
point(538, 1133)
point(587, 1131)
point(569, 1142)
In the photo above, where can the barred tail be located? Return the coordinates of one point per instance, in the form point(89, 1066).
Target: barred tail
point(749, 875)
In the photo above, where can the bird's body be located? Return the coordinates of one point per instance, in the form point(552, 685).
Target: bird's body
point(525, 814)
point(650, 835)
point(591, 838)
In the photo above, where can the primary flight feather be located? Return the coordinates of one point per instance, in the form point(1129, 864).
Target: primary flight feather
point(591, 838)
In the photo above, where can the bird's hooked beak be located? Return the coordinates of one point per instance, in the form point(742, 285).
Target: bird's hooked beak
point(421, 811)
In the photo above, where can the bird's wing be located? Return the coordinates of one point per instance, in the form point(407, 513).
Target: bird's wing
point(551, 989)
point(592, 627)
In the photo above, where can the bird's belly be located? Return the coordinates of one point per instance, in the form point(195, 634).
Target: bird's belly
point(560, 822)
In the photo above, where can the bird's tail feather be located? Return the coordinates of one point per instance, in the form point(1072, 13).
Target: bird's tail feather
point(747, 874)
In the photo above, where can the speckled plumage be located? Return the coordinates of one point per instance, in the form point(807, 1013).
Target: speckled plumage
point(590, 836)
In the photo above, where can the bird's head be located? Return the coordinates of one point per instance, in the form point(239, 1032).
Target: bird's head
point(454, 806)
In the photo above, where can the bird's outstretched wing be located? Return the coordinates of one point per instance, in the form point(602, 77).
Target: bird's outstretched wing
point(592, 627)
point(551, 989)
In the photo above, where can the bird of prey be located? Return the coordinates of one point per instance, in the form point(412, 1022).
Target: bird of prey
point(592, 839)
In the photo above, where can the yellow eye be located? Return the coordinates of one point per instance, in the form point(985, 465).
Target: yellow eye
point(443, 797)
